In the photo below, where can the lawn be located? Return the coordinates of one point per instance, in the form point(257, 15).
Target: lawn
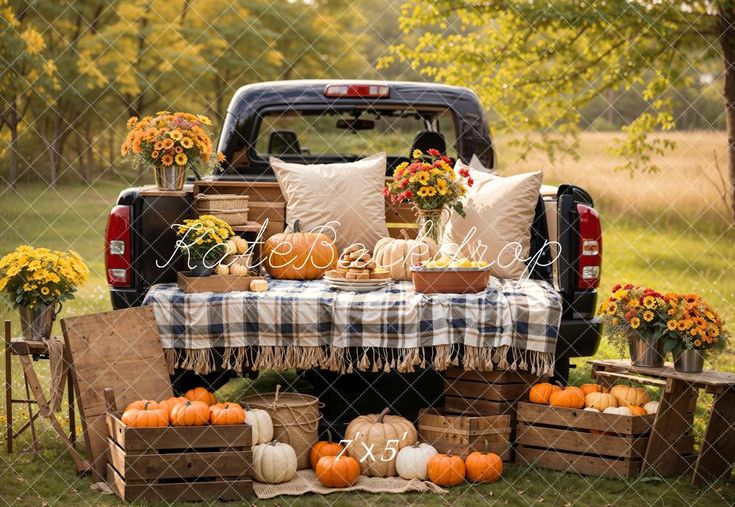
point(655, 233)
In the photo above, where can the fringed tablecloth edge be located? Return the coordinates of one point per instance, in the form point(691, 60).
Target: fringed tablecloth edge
point(338, 359)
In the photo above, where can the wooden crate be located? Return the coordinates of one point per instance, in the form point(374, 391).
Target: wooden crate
point(485, 393)
point(187, 463)
point(464, 434)
point(583, 442)
point(215, 283)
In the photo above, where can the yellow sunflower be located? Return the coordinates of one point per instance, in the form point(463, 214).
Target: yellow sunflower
point(415, 154)
point(671, 325)
point(186, 142)
point(181, 159)
point(648, 315)
point(45, 291)
point(635, 322)
point(176, 134)
point(167, 159)
point(649, 302)
point(422, 192)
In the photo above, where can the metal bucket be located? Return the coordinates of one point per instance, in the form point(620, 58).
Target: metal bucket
point(170, 177)
point(689, 361)
point(647, 353)
point(36, 321)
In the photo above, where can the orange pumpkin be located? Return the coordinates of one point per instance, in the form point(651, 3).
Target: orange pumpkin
point(141, 405)
point(201, 394)
point(168, 404)
point(147, 415)
point(191, 413)
point(592, 388)
point(636, 410)
point(445, 469)
point(483, 467)
point(569, 397)
point(541, 393)
point(337, 472)
point(324, 448)
point(628, 395)
point(226, 413)
point(299, 255)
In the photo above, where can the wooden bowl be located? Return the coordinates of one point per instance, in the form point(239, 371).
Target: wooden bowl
point(450, 280)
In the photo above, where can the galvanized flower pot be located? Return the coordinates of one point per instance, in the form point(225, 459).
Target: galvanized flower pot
point(689, 361)
point(36, 321)
point(646, 353)
point(199, 268)
point(170, 177)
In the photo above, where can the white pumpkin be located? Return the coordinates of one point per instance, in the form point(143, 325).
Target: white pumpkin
point(240, 244)
point(221, 269)
point(591, 409)
point(651, 407)
point(274, 462)
point(262, 425)
point(618, 411)
point(412, 461)
point(398, 255)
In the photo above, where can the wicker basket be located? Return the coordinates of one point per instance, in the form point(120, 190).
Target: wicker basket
point(295, 419)
point(231, 208)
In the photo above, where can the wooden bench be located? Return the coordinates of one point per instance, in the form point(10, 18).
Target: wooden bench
point(670, 441)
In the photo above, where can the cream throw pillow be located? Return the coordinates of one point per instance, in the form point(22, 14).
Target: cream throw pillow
point(350, 193)
point(502, 210)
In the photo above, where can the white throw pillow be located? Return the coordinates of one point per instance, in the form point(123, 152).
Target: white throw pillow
point(350, 193)
point(502, 209)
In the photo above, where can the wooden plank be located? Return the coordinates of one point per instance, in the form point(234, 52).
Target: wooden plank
point(178, 437)
point(215, 283)
point(121, 350)
point(582, 419)
point(153, 191)
point(717, 456)
point(577, 463)
point(153, 467)
point(196, 491)
point(486, 391)
point(457, 405)
point(673, 422)
point(274, 211)
point(498, 376)
point(560, 439)
point(706, 378)
point(598, 374)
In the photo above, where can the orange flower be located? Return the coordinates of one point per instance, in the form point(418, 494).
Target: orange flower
point(158, 145)
point(154, 154)
point(167, 159)
point(168, 143)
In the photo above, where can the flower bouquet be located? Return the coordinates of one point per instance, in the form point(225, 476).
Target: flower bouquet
point(36, 281)
point(204, 242)
point(171, 143)
point(693, 329)
point(432, 185)
point(636, 317)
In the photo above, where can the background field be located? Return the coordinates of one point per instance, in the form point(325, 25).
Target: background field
point(668, 230)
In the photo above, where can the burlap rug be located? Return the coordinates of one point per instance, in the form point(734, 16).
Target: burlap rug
point(306, 482)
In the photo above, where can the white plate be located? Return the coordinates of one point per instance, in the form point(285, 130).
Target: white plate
point(357, 287)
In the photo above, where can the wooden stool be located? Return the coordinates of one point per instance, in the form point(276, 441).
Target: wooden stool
point(671, 442)
point(28, 351)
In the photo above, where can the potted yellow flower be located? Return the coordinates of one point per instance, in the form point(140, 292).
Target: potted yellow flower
point(693, 330)
point(431, 184)
point(203, 241)
point(36, 281)
point(171, 143)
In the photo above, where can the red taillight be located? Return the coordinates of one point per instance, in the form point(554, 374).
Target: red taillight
point(590, 248)
point(117, 247)
point(356, 90)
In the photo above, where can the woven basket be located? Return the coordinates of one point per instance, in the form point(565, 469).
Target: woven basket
point(295, 420)
point(231, 208)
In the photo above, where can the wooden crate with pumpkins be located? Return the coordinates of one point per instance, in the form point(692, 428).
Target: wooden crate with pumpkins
point(188, 448)
point(588, 430)
point(486, 393)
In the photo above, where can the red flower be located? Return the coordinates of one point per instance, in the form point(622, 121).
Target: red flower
point(433, 152)
point(628, 286)
point(386, 191)
point(464, 173)
point(616, 287)
point(470, 181)
point(404, 183)
point(408, 194)
point(446, 159)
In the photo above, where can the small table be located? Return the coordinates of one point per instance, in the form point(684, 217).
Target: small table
point(671, 439)
point(28, 351)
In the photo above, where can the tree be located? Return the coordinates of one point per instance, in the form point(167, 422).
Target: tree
point(536, 64)
point(27, 75)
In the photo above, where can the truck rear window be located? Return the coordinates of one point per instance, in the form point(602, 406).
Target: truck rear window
point(350, 133)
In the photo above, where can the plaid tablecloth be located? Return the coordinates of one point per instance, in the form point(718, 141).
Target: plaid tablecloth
point(305, 324)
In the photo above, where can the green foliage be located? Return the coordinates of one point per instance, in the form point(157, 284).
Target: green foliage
point(537, 66)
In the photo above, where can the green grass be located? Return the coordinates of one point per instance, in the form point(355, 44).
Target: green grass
point(669, 258)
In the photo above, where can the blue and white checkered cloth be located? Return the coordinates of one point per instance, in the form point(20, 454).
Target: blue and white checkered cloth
point(306, 324)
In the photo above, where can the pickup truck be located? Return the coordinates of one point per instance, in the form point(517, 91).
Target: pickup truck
point(315, 121)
